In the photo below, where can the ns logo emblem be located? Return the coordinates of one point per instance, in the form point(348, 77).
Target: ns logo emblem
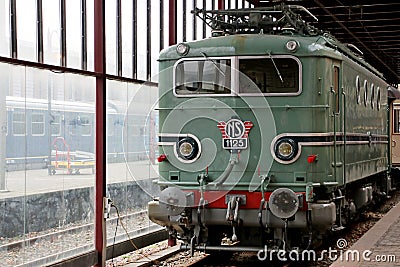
point(235, 133)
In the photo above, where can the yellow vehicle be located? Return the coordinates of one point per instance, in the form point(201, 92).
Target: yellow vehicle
point(73, 162)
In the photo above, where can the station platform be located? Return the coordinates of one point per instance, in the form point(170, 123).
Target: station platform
point(38, 181)
point(380, 246)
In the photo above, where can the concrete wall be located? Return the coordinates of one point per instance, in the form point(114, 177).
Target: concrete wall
point(40, 212)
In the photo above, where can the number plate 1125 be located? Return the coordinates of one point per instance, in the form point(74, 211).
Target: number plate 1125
point(238, 143)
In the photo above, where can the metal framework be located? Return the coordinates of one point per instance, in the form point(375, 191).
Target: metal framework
point(371, 25)
point(247, 20)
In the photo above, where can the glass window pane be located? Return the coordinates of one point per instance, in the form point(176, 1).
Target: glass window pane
point(86, 125)
point(49, 181)
point(55, 122)
point(142, 41)
point(37, 124)
point(51, 31)
point(4, 29)
point(26, 29)
point(396, 121)
point(270, 75)
point(18, 119)
point(131, 154)
point(203, 77)
point(127, 22)
point(73, 13)
point(111, 40)
point(90, 33)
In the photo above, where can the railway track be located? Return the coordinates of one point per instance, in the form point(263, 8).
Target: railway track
point(63, 243)
point(46, 247)
point(201, 259)
point(238, 259)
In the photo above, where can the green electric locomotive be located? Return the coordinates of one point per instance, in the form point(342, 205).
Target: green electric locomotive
point(271, 132)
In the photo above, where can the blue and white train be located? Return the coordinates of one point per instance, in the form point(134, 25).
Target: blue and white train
point(35, 126)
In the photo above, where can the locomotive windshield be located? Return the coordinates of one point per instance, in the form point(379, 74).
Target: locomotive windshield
point(278, 75)
point(203, 77)
point(271, 75)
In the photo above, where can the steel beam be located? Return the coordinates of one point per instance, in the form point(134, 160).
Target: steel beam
point(204, 18)
point(161, 25)
point(184, 21)
point(134, 39)
point(39, 31)
point(101, 107)
point(13, 29)
point(83, 35)
point(118, 30)
point(221, 4)
point(172, 22)
point(148, 43)
point(63, 34)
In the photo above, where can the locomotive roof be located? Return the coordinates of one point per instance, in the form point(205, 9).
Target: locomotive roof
point(262, 44)
point(262, 31)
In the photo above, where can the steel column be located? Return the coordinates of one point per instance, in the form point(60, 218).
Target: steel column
point(161, 25)
point(134, 39)
point(39, 31)
point(118, 31)
point(100, 186)
point(83, 35)
point(63, 34)
point(13, 29)
point(221, 4)
point(148, 43)
point(204, 18)
point(184, 21)
point(172, 22)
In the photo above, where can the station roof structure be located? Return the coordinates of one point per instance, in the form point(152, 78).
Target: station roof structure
point(373, 26)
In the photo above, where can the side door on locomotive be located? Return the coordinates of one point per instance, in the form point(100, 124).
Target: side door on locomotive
point(337, 114)
point(395, 130)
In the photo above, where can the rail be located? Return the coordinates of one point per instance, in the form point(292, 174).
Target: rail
point(83, 255)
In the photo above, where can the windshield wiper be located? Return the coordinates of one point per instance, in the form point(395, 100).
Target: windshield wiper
point(276, 68)
point(212, 61)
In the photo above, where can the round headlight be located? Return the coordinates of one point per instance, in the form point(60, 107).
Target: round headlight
point(187, 148)
point(285, 149)
point(182, 49)
point(292, 45)
point(283, 203)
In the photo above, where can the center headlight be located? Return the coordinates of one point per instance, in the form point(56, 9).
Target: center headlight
point(286, 149)
point(283, 203)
